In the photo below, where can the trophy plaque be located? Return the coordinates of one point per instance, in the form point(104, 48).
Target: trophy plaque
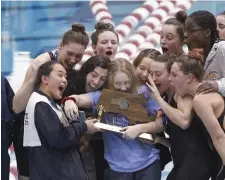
point(131, 106)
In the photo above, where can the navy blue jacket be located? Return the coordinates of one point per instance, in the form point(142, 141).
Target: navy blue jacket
point(7, 95)
point(57, 157)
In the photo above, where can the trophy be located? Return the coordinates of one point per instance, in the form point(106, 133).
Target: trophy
point(126, 104)
point(100, 112)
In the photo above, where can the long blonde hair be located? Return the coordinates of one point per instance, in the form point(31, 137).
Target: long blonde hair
point(122, 65)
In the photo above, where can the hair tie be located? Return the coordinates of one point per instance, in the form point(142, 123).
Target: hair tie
point(196, 54)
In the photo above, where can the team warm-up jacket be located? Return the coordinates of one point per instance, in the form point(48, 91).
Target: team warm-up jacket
point(215, 65)
point(52, 141)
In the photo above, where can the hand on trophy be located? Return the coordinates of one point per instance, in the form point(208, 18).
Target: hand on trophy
point(131, 132)
point(161, 140)
point(71, 109)
point(91, 128)
point(147, 141)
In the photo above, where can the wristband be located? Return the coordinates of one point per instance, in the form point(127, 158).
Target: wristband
point(68, 98)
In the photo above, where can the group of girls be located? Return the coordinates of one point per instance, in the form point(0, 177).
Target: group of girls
point(185, 91)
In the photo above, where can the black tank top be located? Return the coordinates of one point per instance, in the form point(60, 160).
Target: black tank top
point(220, 120)
point(186, 142)
point(219, 172)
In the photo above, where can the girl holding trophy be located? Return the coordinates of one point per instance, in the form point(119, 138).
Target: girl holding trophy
point(128, 159)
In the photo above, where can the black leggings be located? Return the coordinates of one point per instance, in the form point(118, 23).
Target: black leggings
point(20, 151)
point(195, 166)
point(100, 163)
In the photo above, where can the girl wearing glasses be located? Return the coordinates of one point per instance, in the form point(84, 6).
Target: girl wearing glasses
point(201, 32)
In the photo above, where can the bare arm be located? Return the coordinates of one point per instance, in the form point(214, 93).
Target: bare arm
point(83, 100)
point(154, 126)
point(162, 140)
point(132, 132)
point(182, 115)
point(205, 111)
point(23, 94)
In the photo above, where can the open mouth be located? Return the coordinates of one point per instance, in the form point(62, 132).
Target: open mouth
point(144, 80)
point(70, 64)
point(62, 88)
point(158, 85)
point(164, 49)
point(125, 91)
point(91, 86)
point(185, 41)
point(108, 53)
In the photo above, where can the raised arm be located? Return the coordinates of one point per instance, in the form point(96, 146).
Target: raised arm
point(23, 94)
point(182, 115)
point(205, 111)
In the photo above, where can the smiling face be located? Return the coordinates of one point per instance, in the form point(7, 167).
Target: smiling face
point(143, 69)
point(122, 82)
point(107, 44)
point(170, 39)
point(55, 84)
point(160, 76)
point(70, 54)
point(96, 79)
point(221, 26)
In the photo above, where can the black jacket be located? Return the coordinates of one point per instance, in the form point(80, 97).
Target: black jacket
point(7, 95)
point(57, 158)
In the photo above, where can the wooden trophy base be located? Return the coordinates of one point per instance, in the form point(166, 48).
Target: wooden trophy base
point(117, 129)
